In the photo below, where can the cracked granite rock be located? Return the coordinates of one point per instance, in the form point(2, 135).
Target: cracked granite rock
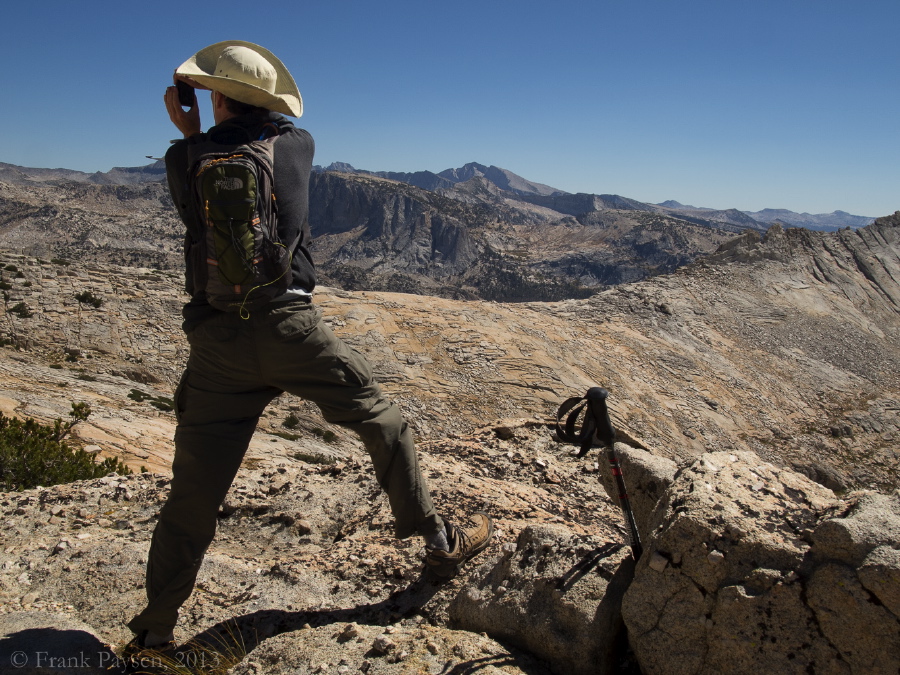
point(752, 568)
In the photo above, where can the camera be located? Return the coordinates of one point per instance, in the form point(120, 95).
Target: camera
point(185, 94)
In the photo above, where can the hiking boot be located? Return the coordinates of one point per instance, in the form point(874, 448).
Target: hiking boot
point(140, 660)
point(464, 545)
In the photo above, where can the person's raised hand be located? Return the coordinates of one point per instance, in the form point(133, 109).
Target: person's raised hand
point(187, 121)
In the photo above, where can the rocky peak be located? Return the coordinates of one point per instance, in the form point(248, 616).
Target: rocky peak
point(465, 172)
point(503, 179)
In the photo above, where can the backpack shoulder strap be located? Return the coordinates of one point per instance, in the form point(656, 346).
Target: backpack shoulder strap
point(268, 135)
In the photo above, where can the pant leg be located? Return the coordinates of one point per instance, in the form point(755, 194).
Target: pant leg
point(305, 358)
point(218, 404)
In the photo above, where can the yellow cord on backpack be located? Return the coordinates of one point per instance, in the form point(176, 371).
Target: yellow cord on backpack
point(243, 313)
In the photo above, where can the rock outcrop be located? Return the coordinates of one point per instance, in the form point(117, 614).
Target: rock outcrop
point(554, 594)
point(836, 258)
point(648, 479)
point(304, 549)
point(750, 568)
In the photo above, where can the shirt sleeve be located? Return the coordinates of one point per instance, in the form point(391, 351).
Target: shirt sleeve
point(177, 177)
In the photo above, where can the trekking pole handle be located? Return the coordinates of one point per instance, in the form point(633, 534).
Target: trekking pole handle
point(604, 432)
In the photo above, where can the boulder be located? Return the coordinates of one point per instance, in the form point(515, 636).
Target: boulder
point(555, 594)
point(647, 477)
point(867, 521)
point(384, 650)
point(750, 568)
point(880, 575)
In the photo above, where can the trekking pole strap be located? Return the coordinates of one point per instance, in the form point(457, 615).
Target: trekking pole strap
point(596, 427)
point(567, 433)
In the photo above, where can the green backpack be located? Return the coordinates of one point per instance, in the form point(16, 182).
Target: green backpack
point(238, 259)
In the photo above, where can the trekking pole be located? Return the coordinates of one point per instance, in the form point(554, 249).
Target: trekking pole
point(597, 428)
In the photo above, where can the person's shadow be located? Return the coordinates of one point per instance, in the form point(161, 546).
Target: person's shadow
point(46, 650)
point(229, 641)
point(56, 651)
point(235, 637)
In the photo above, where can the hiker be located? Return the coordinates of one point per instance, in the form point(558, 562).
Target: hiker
point(244, 353)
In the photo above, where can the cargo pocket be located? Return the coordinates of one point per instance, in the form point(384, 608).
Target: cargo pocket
point(295, 320)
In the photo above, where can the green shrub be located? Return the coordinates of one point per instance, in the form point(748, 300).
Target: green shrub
point(159, 402)
point(5, 285)
point(326, 435)
point(11, 268)
point(291, 421)
point(163, 403)
point(22, 310)
point(88, 298)
point(60, 261)
point(33, 454)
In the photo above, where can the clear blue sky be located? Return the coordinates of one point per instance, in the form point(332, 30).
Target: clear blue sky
point(790, 104)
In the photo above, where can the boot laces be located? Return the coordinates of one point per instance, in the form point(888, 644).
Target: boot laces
point(460, 534)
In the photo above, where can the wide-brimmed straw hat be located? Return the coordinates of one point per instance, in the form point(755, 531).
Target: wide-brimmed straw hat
point(247, 73)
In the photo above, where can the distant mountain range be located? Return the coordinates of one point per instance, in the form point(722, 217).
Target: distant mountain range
point(536, 193)
point(472, 232)
point(826, 222)
point(576, 204)
point(18, 175)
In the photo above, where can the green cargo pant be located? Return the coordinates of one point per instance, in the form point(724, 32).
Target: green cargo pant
point(236, 367)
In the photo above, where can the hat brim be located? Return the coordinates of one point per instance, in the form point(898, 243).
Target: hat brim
point(284, 99)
